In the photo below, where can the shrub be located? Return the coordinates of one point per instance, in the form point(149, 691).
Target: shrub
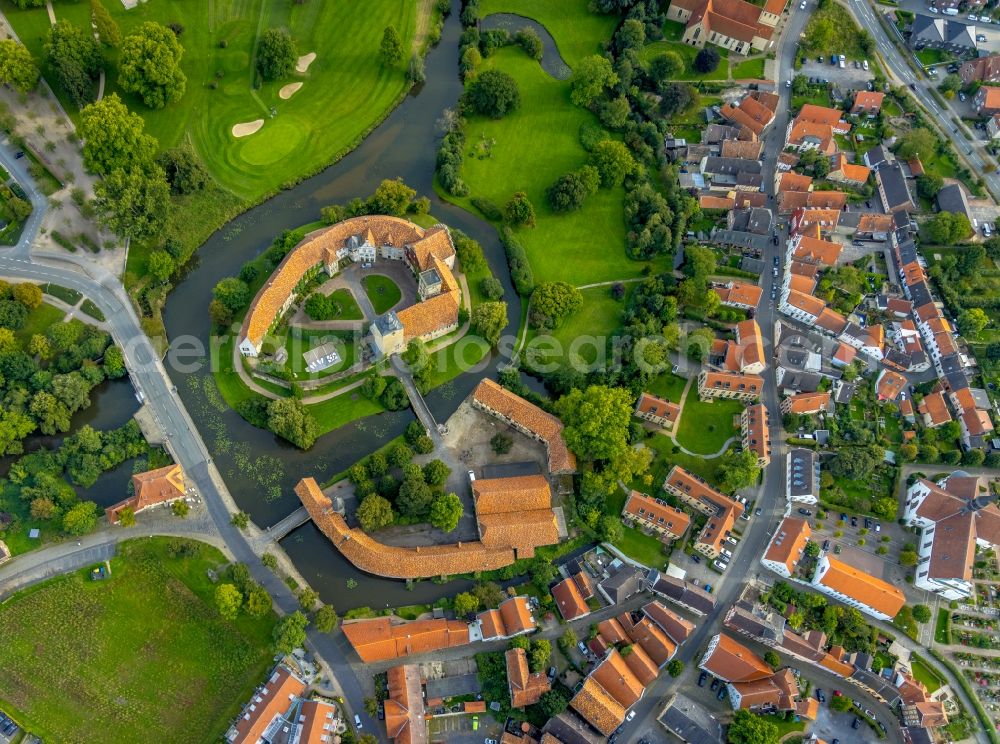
point(707, 60)
point(494, 94)
point(517, 260)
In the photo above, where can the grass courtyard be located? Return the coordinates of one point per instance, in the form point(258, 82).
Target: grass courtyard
point(141, 656)
point(705, 426)
point(382, 291)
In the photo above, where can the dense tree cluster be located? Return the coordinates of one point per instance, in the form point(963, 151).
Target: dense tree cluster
point(150, 65)
point(75, 58)
point(276, 54)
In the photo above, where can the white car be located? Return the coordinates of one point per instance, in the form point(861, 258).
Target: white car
point(973, 17)
point(788, 83)
point(719, 566)
point(802, 5)
point(865, 64)
point(934, 10)
point(630, 716)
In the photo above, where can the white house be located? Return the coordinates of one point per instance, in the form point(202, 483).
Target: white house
point(857, 589)
point(802, 476)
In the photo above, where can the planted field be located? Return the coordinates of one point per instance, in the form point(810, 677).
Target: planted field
point(140, 656)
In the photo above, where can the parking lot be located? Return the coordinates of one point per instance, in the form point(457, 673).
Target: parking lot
point(8, 729)
point(848, 78)
point(831, 725)
point(458, 728)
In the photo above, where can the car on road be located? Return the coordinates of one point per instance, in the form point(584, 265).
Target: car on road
point(776, 258)
point(912, 86)
point(475, 723)
point(826, 545)
point(630, 716)
point(788, 83)
point(802, 5)
point(805, 512)
point(489, 741)
point(820, 696)
point(701, 678)
point(357, 721)
point(837, 693)
point(775, 240)
point(757, 512)
point(19, 154)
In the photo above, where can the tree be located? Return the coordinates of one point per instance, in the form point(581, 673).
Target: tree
point(114, 137)
point(75, 57)
point(446, 512)
point(613, 161)
point(308, 598)
point(465, 604)
point(707, 59)
point(675, 668)
point(501, 443)
point(571, 189)
point(80, 518)
point(228, 601)
point(665, 67)
point(494, 94)
point(921, 613)
point(841, 703)
point(611, 529)
point(51, 415)
point(373, 386)
point(973, 457)
point(160, 265)
point(596, 421)
point(929, 184)
point(553, 301)
point(392, 196)
point(291, 420)
point(950, 85)
point(592, 75)
point(106, 27)
point(541, 652)
point(17, 66)
point(856, 463)
point(232, 292)
point(290, 632)
point(150, 65)
point(13, 315)
point(488, 319)
point(527, 38)
point(258, 601)
point(946, 228)
point(325, 619)
point(415, 498)
point(519, 211)
point(180, 508)
point(184, 170)
point(677, 98)
point(391, 48)
point(552, 703)
point(126, 517)
point(374, 513)
point(276, 54)
point(907, 557)
point(46, 509)
point(269, 560)
point(739, 469)
point(542, 572)
point(772, 659)
point(436, 473)
point(971, 322)
point(916, 143)
point(394, 398)
point(748, 728)
point(133, 204)
point(28, 294)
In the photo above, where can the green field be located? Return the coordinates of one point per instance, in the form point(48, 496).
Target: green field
point(832, 30)
point(141, 656)
point(673, 31)
point(666, 455)
point(382, 291)
point(705, 427)
point(668, 386)
point(922, 672)
point(38, 321)
point(642, 548)
point(750, 69)
point(587, 330)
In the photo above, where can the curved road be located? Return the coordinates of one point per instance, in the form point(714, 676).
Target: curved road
point(184, 442)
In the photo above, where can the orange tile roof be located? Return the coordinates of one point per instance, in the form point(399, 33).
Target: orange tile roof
point(808, 708)
point(734, 662)
point(274, 698)
point(865, 100)
point(151, 488)
point(708, 201)
point(889, 385)
point(991, 97)
point(380, 639)
point(913, 272)
point(515, 512)
point(681, 481)
point(831, 320)
point(803, 130)
point(845, 353)
point(871, 222)
point(755, 431)
point(801, 268)
point(405, 712)
point(651, 405)
point(835, 665)
point(321, 246)
point(739, 293)
point(597, 707)
point(569, 600)
point(512, 617)
point(527, 492)
point(525, 688)
point(718, 528)
point(618, 680)
point(850, 171)
point(863, 588)
point(807, 303)
point(807, 402)
point(377, 558)
point(750, 199)
point(788, 542)
point(676, 627)
point(750, 113)
point(316, 725)
point(654, 643)
point(817, 220)
point(583, 583)
point(804, 284)
point(824, 115)
point(934, 409)
point(791, 181)
point(657, 513)
point(750, 384)
point(545, 426)
point(812, 249)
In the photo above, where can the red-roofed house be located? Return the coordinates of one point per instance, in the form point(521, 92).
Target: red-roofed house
point(733, 24)
point(160, 486)
point(867, 103)
point(889, 385)
point(657, 410)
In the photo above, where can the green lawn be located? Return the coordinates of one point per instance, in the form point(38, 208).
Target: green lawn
point(544, 132)
point(750, 69)
point(143, 651)
point(666, 455)
point(941, 633)
point(455, 359)
point(642, 548)
point(347, 306)
point(924, 673)
point(584, 332)
point(67, 295)
point(673, 31)
point(38, 321)
point(705, 427)
point(785, 727)
point(301, 340)
point(382, 291)
point(578, 32)
point(668, 386)
point(89, 308)
point(933, 56)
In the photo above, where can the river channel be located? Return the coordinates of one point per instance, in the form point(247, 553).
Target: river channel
point(261, 470)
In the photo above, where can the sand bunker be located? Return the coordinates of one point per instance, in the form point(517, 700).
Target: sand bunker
point(288, 91)
point(247, 128)
point(304, 61)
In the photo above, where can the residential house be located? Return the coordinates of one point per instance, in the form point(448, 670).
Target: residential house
point(843, 171)
point(753, 114)
point(802, 476)
point(787, 546)
point(689, 721)
point(624, 582)
point(935, 32)
point(857, 589)
point(161, 486)
point(681, 592)
point(405, 710)
point(806, 403)
point(272, 703)
point(814, 250)
point(719, 528)
point(814, 223)
point(776, 692)
point(726, 172)
point(512, 618)
point(656, 515)
point(878, 156)
point(732, 24)
point(756, 220)
point(729, 385)
point(892, 189)
point(867, 103)
point(993, 126)
point(934, 410)
point(384, 638)
point(742, 295)
point(658, 411)
point(815, 127)
point(756, 433)
point(744, 149)
point(731, 661)
point(746, 353)
point(982, 70)
point(528, 419)
point(953, 519)
point(874, 227)
point(607, 693)
point(951, 198)
point(526, 688)
point(569, 600)
point(791, 201)
point(889, 385)
point(711, 201)
point(986, 102)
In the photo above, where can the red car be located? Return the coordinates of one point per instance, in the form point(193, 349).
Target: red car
point(836, 693)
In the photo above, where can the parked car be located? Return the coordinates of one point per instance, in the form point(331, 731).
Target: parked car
point(854, 521)
point(701, 678)
point(843, 62)
point(934, 10)
point(696, 558)
point(357, 721)
point(757, 512)
point(805, 512)
point(708, 588)
point(715, 684)
point(552, 672)
point(868, 523)
point(719, 565)
point(837, 693)
point(856, 722)
point(864, 64)
point(630, 716)
point(722, 693)
point(826, 545)
point(836, 549)
point(980, 37)
point(820, 696)
point(776, 258)
point(583, 647)
point(878, 526)
point(788, 83)
point(802, 5)
point(843, 516)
